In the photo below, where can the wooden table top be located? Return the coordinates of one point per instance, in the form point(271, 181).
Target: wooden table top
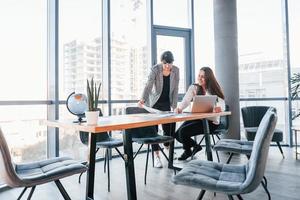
point(121, 122)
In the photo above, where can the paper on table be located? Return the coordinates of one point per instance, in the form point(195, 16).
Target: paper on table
point(156, 111)
point(151, 110)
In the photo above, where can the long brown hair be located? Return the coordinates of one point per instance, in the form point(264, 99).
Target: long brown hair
point(211, 83)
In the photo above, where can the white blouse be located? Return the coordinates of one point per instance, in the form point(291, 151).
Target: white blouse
point(192, 91)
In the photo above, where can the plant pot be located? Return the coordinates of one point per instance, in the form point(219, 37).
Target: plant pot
point(92, 117)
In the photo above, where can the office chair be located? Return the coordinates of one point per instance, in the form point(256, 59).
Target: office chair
point(146, 136)
point(252, 115)
point(229, 178)
point(30, 175)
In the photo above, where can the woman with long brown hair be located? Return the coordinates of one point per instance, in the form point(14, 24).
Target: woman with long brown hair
point(207, 85)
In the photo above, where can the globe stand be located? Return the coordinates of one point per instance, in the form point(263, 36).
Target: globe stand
point(79, 120)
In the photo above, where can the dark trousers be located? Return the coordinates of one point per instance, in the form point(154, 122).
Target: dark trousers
point(168, 129)
point(189, 129)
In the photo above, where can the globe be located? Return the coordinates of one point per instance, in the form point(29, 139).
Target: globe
point(77, 104)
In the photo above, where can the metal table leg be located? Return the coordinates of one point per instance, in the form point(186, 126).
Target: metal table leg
point(90, 178)
point(296, 143)
point(129, 167)
point(207, 139)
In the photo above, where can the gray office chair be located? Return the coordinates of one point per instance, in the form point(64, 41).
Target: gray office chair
point(146, 135)
point(30, 175)
point(234, 147)
point(252, 115)
point(103, 140)
point(228, 178)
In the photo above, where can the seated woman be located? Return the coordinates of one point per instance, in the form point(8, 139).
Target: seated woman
point(207, 85)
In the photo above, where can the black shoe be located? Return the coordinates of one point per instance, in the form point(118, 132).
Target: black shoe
point(185, 155)
point(196, 149)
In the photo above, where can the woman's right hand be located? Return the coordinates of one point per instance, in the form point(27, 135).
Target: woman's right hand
point(178, 110)
point(141, 103)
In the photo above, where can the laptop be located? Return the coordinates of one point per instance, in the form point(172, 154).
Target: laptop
point(203, 104)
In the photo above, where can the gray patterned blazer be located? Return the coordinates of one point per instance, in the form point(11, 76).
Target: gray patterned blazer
point(154, 86)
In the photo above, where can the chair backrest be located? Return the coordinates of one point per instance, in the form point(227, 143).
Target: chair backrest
point(252, 115)
point(84, 136)
point(255, 168)
point(148, 131)
point(7, 168)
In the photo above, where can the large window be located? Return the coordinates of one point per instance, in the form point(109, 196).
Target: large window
point(129, 50)
point(204, 34)
point(294, 25)
point(80, 58)
point(262, 54)
point(23, 50)
point(23, 76)
point(262, 59)
point(165, 11)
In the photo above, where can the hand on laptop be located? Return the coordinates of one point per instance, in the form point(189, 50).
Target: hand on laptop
point(218, 109)
point(178, 110)
point(141, 103)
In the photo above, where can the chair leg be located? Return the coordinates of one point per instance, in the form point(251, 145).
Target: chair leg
point(229, 159)
point(266, 182)
point(152, 152)
point(31, 193)
point(62, 190)
point(162, 151)
point(108, 172)
point(230, 197)
point(137, 151)
point(266, 189)
point(201, 195)
point(146, 168)
point(214, 141)
point(22, 193)
point(239, 197)
point(105, 156)
point(120, 154)
point(280, 149)
point(79, 179)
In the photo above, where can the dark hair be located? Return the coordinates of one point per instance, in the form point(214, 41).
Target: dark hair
point(167, 57)
point(211, 83)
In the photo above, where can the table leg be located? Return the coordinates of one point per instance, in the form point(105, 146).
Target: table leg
point(207, 139)
point(296, 143)
point(90, 178)
point(171, 147)
point(129, 167)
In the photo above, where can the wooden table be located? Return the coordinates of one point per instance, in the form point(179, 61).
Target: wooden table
point(122, 122)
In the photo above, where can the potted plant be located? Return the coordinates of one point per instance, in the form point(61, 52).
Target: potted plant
point(295, 90)
point(93, 91)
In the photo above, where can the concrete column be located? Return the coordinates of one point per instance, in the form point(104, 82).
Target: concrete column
point(226, 59)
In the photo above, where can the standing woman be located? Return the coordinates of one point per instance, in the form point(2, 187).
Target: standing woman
point(207, 85)
point(161, 92)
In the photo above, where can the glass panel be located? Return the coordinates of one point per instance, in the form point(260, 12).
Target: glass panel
point(69, 140)
point(262, 58)
point(172, 13)
point(129, 51)
point(177, 46)
point(23, 50)
point(24, 132)
point(80, 45)
point(294, 25)
point(281, 107)
point(204, 35)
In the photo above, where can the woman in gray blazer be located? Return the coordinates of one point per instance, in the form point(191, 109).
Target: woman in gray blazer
point(161, 92)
